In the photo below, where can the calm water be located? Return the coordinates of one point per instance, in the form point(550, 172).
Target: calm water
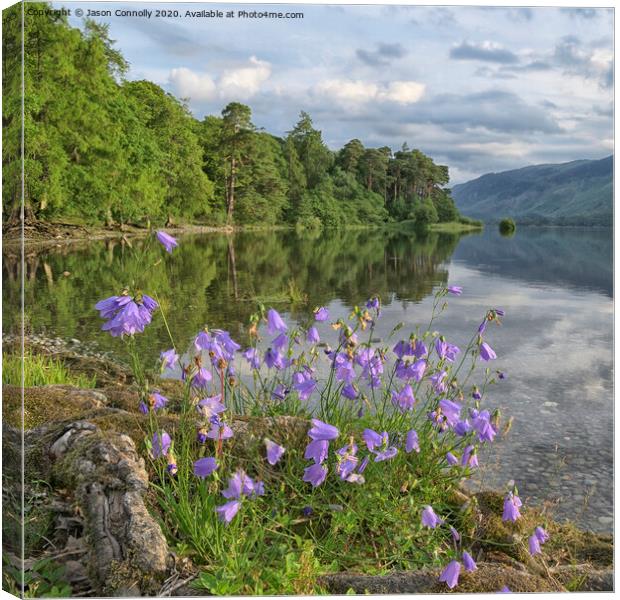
point(555, 345)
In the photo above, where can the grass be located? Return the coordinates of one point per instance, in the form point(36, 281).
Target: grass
point(456, 226)
point(273, 546)
point(40, 369)
point(462, 225)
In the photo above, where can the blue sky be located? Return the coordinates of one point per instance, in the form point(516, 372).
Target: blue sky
point(478, 88)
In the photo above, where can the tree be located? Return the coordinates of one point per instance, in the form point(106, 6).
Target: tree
point(186, 189)
point(424, 214)
point(349, 156)
point(237, 130)
point(313, 154)
point(445, 207)
point(263, 198)
point(99, 148)
point(296, 175)
point(372, 167)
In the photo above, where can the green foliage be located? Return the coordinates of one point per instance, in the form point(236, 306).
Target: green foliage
point(507, 227)
point(313, 154)
point(97, 148)
point(103, 149)
point(425, 214)
point(445, 207)
point(40, 369)
point(44, 579)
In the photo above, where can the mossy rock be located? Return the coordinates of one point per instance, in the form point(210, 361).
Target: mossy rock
point(567, 544)
point(47, 403)
point(492, 577)
point(127, 397)
point(489, 577)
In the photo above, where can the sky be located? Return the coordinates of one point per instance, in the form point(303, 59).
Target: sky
point(479, 89)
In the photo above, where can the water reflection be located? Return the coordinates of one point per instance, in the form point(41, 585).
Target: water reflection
point(581, 258)
point(218, 279)
point(556, 286)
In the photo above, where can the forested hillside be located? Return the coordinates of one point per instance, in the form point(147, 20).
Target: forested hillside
point(574, 193)
point(102, 149)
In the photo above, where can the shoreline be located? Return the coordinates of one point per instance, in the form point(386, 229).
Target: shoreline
point(67, 234)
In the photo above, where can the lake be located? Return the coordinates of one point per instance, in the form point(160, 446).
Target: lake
point(556, 343)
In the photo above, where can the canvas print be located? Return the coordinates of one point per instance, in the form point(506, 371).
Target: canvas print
point(306, 299)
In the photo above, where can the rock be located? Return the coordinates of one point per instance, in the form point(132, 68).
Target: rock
point(583, 578)
point(127, 551)
point(489, 577)
point(394, 583)
point(48, 403)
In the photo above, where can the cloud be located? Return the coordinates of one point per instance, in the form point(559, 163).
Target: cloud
point(571, 55)
point(494, 110)
point(535, 65)
point(491, 73)
point(245, 82)
point(240, 83)
point(484, 51)
point(491, 113)
point(354, 93)
point(511, 71)
point(520, 14)
point(192, 85)
point(581, 13)
point(604, 111)
point(382, 56)
point(437, 17)
point(180, 41)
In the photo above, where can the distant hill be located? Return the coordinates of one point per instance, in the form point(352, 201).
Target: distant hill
point(574, 193)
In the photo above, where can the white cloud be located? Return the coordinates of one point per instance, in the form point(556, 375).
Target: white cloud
point(192, 85)
point(239, 83)
point(347, 92)
point(355, 93)
point(244, 82)
point(403, 92)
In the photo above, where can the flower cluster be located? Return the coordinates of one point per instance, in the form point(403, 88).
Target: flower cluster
point(320, 434)
point(240, 487)
point(162, 447)
point(539, 537)
point(512, 504)
point(450, 575)
point(412, 389)
point(154, 401)
point(210, 424)
point(126, 315)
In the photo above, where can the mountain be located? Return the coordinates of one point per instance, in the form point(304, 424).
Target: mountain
point(575, 193)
